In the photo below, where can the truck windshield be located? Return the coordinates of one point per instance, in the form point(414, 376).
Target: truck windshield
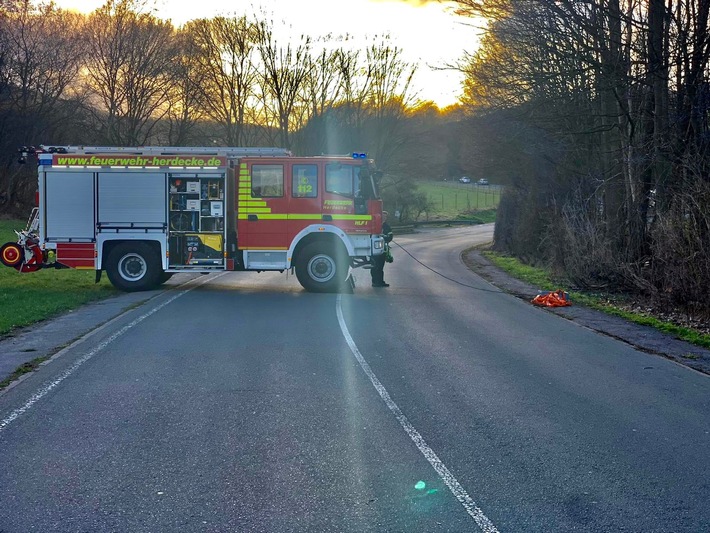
point(350, 180)
point(339, 179)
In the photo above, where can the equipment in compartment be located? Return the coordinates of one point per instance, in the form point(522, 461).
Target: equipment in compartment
point(196, 249)
point(197, 221)
point(196, 204)
point(212, 224)
point(211, 190)
point(204, 249)
point(183, 221)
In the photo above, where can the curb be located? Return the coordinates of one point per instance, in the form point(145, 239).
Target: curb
point(643, 338)
point(48, 337)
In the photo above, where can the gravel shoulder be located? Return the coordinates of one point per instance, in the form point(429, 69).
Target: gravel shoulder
point(643, 338)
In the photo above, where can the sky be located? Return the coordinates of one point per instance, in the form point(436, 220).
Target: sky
point(427, 31)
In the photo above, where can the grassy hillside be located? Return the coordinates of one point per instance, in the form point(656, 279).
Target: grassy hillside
point(452, 200)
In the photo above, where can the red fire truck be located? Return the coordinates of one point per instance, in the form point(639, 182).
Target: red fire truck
point(144, 213)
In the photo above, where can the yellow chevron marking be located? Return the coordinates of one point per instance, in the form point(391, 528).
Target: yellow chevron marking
point(314, 216)
point(293, 216)
point(352, 217)
point(263, 216)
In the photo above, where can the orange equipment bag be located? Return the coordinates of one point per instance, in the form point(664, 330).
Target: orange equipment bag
point(558, 298)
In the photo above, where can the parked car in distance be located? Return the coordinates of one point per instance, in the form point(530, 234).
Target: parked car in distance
point(483, 181)
point(465, 180)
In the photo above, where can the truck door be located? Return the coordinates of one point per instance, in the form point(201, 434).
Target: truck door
point(262, 212)
point(305, 196)
point(343, 203)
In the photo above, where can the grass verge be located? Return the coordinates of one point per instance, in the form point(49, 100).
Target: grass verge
point(34, 296)
point(24, 368)
point(481, 217)
point(544, 280)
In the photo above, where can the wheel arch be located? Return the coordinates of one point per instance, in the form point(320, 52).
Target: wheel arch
point(105, 248)
point(326, 234)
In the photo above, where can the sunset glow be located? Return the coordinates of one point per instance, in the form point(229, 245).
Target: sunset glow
point(428, 32)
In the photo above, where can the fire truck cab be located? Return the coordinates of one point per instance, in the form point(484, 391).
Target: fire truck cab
point(144, 213)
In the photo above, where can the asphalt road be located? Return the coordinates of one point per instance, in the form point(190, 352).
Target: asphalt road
point(241, 403)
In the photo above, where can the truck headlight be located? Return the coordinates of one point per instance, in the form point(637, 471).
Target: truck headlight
point(379, 244)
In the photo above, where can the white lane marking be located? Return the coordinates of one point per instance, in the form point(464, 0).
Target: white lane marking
point(49, 386)
point(454, 486)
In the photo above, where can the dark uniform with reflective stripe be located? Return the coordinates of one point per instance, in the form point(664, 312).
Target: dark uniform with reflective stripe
point(378, 261)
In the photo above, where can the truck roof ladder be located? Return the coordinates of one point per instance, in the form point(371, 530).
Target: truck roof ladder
point(228, 151)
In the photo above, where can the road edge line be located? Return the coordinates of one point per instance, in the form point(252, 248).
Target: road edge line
point(47, 387)
point(445, 474)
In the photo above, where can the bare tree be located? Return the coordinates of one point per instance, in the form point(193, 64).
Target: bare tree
point(388, 100)
point(38, 66)
point(184, 98)
point(596, 75)
point(321, 93)
point(128, 71)
point(286, 69)
point(375, 97)
point(356, 79)
point(223, 62)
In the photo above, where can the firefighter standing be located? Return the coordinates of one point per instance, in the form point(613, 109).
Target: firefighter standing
point(378, 261)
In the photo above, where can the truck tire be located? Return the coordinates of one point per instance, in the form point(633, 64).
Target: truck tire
point(322, 267)
point(134, 266)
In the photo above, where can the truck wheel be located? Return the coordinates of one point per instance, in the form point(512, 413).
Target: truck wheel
point(322, 268)
point(133, 267)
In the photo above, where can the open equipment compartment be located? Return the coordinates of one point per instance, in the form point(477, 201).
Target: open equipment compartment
point(197, 225)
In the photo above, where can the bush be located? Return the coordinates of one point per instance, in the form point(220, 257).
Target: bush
point(680, 269)
point(521, 224)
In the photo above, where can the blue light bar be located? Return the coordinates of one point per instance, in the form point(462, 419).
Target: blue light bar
point(359, 155)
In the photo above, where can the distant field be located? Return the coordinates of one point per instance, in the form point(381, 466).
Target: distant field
point(28, 298)
point(452, 199)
